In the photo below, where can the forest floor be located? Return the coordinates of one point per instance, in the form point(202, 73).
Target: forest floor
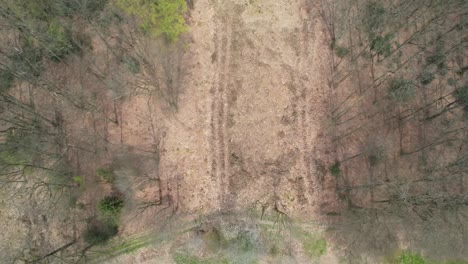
point(254, 138)
point(248, 131)
point(248, 127)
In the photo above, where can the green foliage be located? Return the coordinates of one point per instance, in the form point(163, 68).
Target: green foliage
point(105, 227)
point(59, 42)
point(131, 245)
point(213, 240)
point(11, 157)
point(315, 248)
point(181, 258)
point(49, 9)
point(438, 57)
point(133, 65)
point(158, 17)
point(38, 10)
point(335, 169)
point(341, 52)
point(410, 258)
point(43, 32)
point(26, 62)
point(6, 80)
point(78, 179)
point(105, 174)
point(451, 81)
point(462, 70)
point(442, 71)
point(374, 19)
point(426, 77)
point(376, 155)
point(23, 146)
point(89, 7)
point(111, 206)
point(382, 45)
point(100, 232)
point(244, 242)
point(401, 90)
point(461, 94)
point(373, 160)
point(374, 24)
point(313, 244)
point(187, 259)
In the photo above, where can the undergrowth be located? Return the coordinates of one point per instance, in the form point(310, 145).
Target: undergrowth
point(158, 17)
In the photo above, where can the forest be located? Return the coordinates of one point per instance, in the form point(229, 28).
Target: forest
point(235, 131)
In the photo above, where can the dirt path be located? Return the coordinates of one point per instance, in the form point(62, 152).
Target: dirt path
point(247, 131)
point(219, 104)
point(302, 97)
point(251, 110)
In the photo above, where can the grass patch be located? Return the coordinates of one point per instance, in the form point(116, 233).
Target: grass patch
point(410, 258)
point(131, 246)
point(275, 242)
point(244, 242)
point(213, 240)
point(105, 174)
point(181, 258)
point(407, 257)
point(314, 246)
